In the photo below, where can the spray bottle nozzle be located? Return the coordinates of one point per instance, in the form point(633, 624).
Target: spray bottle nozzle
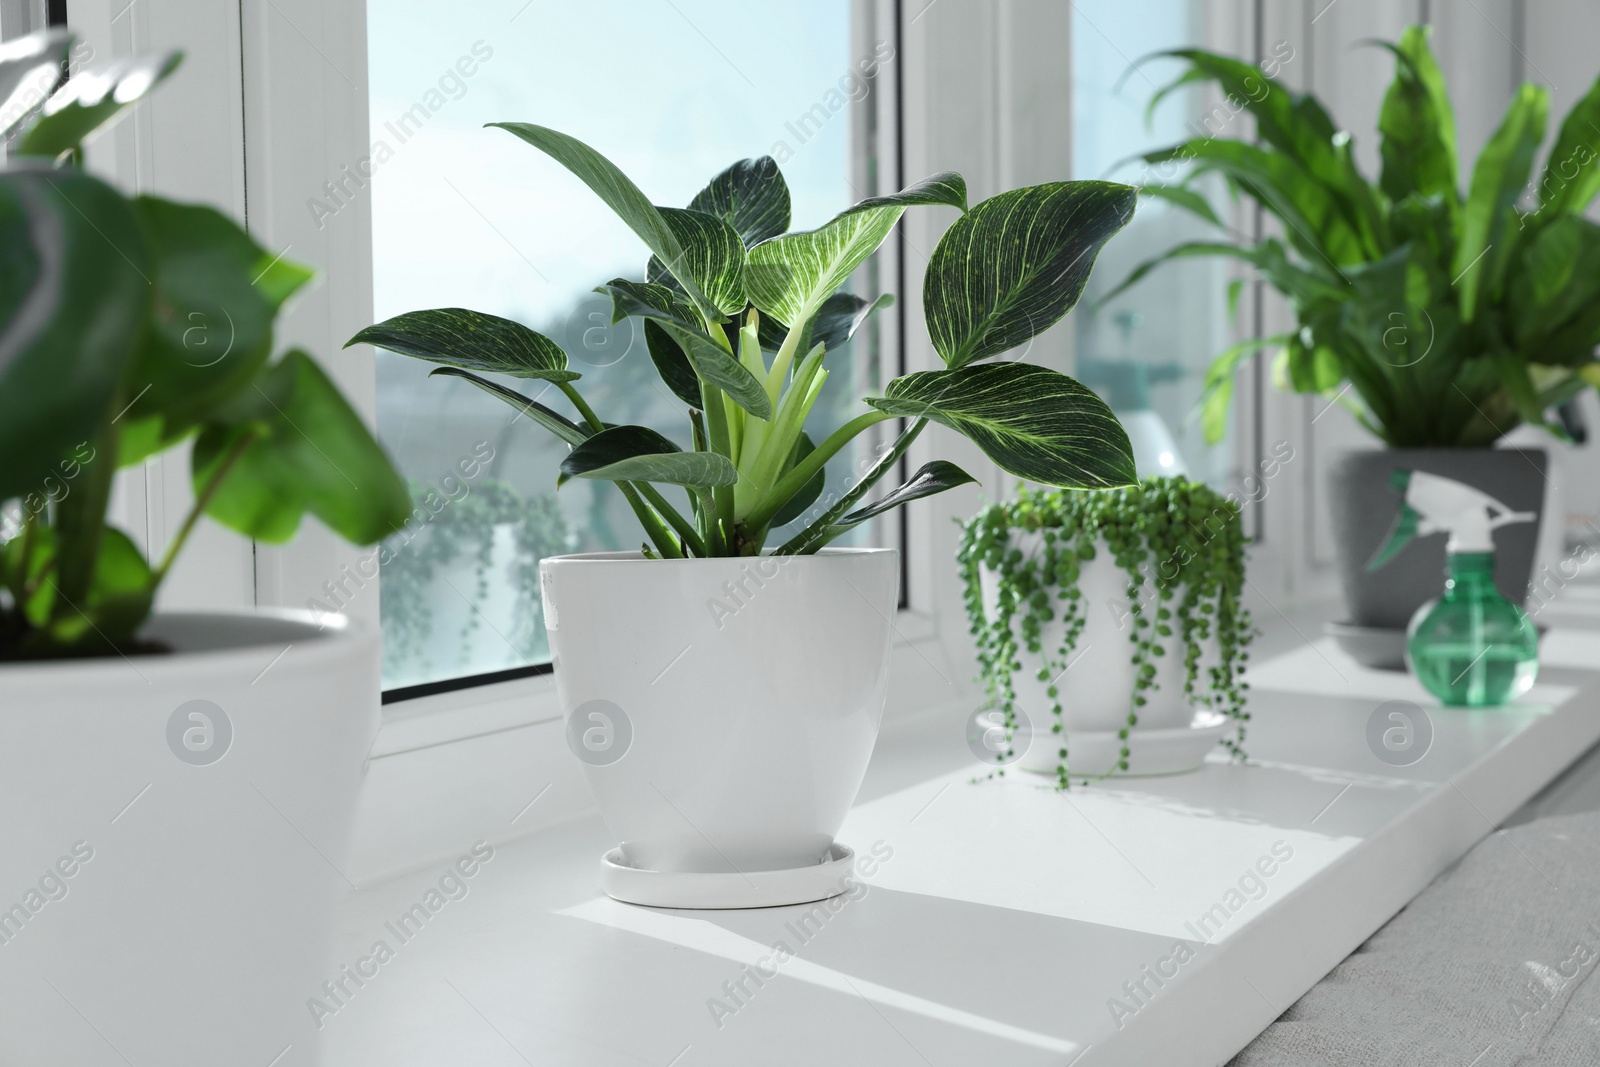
point(1432, 504)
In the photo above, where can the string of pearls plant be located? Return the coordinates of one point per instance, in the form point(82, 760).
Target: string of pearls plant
point(1181, 546)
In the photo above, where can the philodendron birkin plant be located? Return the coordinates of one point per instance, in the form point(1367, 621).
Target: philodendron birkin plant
point(676, 710)
point(133, 325)
point(740, 316)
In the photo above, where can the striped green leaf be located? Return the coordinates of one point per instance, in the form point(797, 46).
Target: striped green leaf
point(620, 195)
point(789, 277)
point(471, 340)
point(1014, 265)
point(751, 196)
point(713, 258)
point(639, 454)
point(719, 367)
point(1034, 422)
point(558, 424)
point(930, 478)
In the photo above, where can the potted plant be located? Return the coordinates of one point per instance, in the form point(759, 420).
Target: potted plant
point(1440, 319)
point(180, 786)
point(724, 694)
point(1110, 626)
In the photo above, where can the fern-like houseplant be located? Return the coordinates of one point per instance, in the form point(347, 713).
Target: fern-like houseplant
point(732, 668)
point(1107, 619)
point(1441, 308)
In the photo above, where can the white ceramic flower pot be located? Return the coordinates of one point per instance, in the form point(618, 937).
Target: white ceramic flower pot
point(724, 709)
point(174, 823)
point(1096, 689)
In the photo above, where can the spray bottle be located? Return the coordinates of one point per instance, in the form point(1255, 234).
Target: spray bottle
point(1470, 647)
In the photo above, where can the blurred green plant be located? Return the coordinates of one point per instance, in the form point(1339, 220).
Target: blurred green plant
point(129, 325)
point(739, 316)
point(467, 528)
point(1437, 317)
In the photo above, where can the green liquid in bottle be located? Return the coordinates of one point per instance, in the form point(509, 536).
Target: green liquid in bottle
point(1472, 647)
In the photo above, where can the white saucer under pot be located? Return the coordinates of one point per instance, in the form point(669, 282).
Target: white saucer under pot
point(1096, 689)
point(724, 711)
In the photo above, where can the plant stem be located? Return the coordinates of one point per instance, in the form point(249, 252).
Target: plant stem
point(203, 500)
point(81, 522)
point(717, 437)
point(684, 527)
point(812, 537)
point(806, 469)
point(782, 361)
point(648, 519)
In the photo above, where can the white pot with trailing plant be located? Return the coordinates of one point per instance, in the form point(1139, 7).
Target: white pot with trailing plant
point(178, 788)
point(1109, 628)
point(723, 693)
point(1442, 318)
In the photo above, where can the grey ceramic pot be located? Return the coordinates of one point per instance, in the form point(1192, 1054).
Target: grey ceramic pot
point(1364, 506)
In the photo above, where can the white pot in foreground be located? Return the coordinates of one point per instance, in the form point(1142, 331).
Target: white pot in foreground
point(724, 710)
point(1096, 689)
point(173, 822)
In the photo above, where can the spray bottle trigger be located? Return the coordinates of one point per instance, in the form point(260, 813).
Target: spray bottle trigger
point(1405, 528)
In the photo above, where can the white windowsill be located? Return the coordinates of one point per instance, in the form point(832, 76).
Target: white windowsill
point(1009, 915)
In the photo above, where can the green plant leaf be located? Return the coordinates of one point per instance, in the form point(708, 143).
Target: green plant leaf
point(1216, 397)
point(712, 256)
point(304, 449)
point(471, 340)
point(1034, 422)
point(673, 366)
point(930, 478)
point(1015, 264)
point(1497, 181)
point(74, 294)
point(558, 424)
point(1572, 171)
point(29, 68)
point(216, 294)
point(719, 367)
point(1184, 197)
point(120, 593)
point(789, 277)
point(619, 194)
point(751, 196)
point(639, 454)
point(1416, 124)
point(91, 99)
point(807, 494)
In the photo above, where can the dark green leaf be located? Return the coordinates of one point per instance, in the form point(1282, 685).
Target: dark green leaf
point(789, 277)
point(619, 194)
point(73, 297)
point(1034, 422)
point(1014, 265)
point(1184, 197)
point(796, 505)
point(30, 66)
point(637, 453)
point(712, 257)
point(673, 366)
point(292, 444)
point(1572, 172)
point(562, 427)
point(931, 478)
point(217, 293)
point(751, 196)
point(643, 298)
point(1497, 181)
point(91, 99)
point(1417, 124)
point(470, 340)
point(712, 364)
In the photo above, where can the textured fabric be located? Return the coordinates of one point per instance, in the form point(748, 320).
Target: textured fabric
point(1490, 966)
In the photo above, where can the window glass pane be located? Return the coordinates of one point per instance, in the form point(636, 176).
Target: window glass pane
point(468, 217)
point(1147, 350)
